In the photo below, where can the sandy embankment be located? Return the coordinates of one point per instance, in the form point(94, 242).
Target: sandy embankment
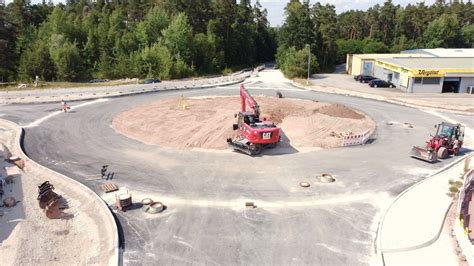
point(208, 122)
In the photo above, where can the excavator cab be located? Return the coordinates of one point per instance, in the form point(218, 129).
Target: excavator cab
point(245, 117)
point(249, 118)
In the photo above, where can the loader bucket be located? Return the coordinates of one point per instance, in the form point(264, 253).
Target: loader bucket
point(423, 154)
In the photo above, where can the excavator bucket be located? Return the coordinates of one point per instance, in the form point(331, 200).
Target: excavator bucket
point(423, 154)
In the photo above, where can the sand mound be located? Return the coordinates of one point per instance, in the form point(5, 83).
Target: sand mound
point(339, 110)
point(208, 122)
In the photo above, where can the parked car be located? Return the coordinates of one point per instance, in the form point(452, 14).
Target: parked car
point(150, 81)
point(375, 83)
point(365, 78)
point(98, 80)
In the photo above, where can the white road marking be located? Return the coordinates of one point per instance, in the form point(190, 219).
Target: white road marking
point(38, 121)
point(239, 204)
point(263, 88)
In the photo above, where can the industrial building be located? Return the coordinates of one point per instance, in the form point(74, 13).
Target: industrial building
point(442, 52)
point(363, 64)
point(427, 74)
point(421, 70)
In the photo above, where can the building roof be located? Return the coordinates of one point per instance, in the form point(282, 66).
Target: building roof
point(432, 62)
point(377, 56)
point(443, 52)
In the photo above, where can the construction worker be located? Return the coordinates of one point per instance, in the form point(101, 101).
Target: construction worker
point(64, 106)
point(456, 147)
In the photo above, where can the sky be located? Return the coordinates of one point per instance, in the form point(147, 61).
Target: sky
point(276, 8)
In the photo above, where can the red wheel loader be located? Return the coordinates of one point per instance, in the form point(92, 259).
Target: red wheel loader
point(448, 140)
point(253, 134)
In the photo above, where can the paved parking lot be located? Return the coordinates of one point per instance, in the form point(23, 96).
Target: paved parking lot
point(344, 81)
point(346, 85)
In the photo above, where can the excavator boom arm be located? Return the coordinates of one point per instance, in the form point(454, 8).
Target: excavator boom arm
point(247, 99)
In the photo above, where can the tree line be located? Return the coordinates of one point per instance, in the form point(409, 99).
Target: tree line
point(329, 37)
point(111, 39)
point(83, 39)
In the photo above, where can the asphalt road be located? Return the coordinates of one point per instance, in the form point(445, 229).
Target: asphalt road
point(206, 221)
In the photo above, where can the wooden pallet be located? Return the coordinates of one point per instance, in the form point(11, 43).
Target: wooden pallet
point(109, 187)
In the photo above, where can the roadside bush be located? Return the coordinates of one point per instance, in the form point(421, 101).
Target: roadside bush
point(294, 63)
point(154, 61)
point(453, 189)
point(227, 71)
point(458, 184)
point(180, 69)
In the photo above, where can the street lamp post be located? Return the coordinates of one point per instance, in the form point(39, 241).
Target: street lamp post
point(309, 60)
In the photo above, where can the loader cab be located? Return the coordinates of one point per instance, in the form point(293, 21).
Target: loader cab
point(445, 130)
point(451, 131)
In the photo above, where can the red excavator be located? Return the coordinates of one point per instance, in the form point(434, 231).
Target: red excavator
point(448, 140)
point(253, 135)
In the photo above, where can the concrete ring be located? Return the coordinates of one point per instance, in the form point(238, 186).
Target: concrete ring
point(326, 178)
point(156, 207)
point(147, 201)
point(145, 208)
point(304, 184)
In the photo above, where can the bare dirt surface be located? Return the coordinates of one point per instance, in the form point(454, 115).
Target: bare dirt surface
point(207, 122)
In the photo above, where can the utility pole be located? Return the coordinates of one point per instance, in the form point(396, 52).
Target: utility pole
point(309, 60)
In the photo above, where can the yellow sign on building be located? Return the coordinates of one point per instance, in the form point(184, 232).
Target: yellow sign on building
point(412, 72)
